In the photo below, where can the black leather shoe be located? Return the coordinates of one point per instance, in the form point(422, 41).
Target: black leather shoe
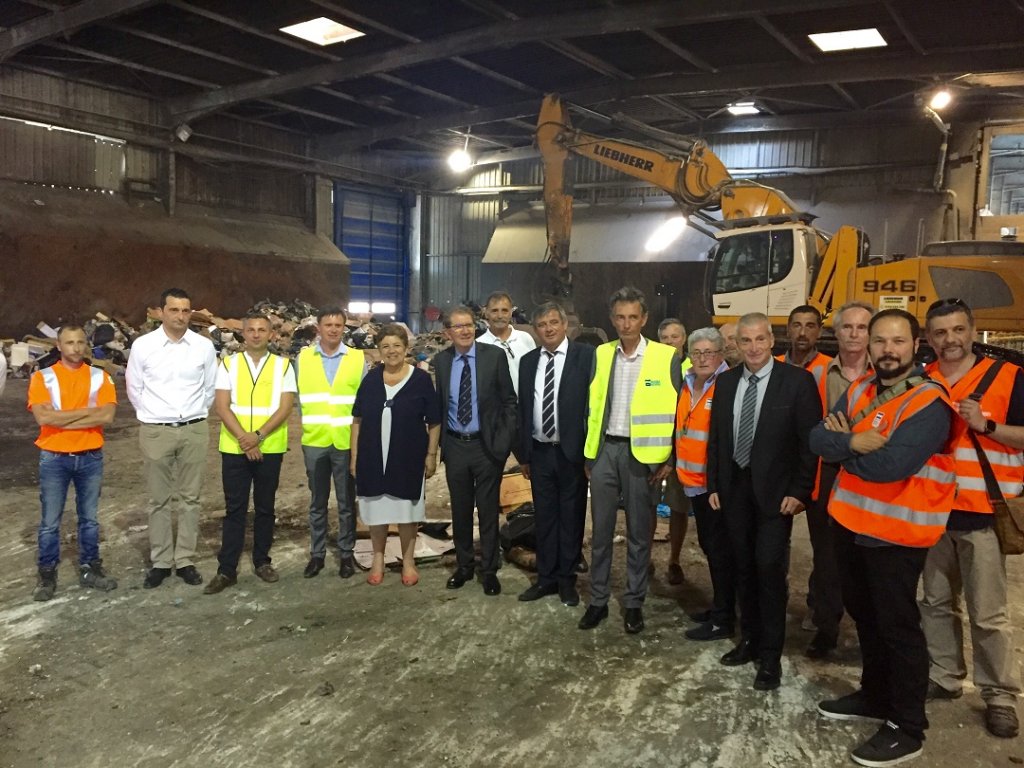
point(821, 646)
point(155, 577)
point(457, 579)
point(537, 591)
point(347, 568)
point(768, 677)
point(633, 621)
point(594, 615)
point(582, 566)
point(744, 653)
point(492, 586)
point(568, 594)
point(190, 575)
point(708, 631)
point(313, 567)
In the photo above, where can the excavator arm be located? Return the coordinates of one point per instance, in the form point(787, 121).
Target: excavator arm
point(696, 178)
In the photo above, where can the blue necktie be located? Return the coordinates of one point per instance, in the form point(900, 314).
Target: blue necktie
point(745, 435)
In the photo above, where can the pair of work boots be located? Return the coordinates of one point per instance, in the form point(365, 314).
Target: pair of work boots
point(90, 576)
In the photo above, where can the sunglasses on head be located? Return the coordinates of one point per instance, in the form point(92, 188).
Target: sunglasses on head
point(936, 305)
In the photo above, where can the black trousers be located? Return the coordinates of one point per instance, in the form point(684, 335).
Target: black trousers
point(824, 592)
point(760, 542)
point(473, 479)
point(560, 503)
point(713, 537)
point(880, 594)
point(239, 476)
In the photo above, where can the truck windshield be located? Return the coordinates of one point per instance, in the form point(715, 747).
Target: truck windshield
point(752, 260)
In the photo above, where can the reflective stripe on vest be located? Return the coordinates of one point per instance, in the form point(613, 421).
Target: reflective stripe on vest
point(817, 366)
point(1007, 463)
point(53, 386)
point(652, 408)
point(327, 408)
point(693, 425)
point(254, 402)
point(911, 512)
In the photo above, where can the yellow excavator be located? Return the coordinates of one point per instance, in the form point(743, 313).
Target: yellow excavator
point(768, 257)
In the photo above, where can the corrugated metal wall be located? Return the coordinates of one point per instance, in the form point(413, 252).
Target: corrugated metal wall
point(36, 153)
point(458, 232)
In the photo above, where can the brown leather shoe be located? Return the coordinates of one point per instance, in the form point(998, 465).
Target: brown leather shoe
point(219, 583)
point(267, 573)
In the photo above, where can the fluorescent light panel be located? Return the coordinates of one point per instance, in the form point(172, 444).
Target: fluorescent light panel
point(848, 40)
point(322, 31)
point(743, 108)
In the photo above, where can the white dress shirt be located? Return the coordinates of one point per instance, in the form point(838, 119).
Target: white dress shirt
point(741, 390)
point(171, 381)
point(627, 371)
point(516, 345)
point(538, 391)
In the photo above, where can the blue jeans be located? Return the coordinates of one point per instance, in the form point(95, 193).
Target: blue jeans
point(56, 472)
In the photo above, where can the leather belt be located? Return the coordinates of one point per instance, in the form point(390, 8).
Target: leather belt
point(616, 439)
point(74, 453)
point(179, 423)
point(547, 443)
point(465, 436)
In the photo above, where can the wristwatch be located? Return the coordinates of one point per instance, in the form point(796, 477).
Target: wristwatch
point(259, 435)
point(990, 427)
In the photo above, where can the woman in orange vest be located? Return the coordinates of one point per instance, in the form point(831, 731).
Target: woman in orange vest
point(693, 421)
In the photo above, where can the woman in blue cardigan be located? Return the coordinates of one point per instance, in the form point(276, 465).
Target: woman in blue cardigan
point(395, 430)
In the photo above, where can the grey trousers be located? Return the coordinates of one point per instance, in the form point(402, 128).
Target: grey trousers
point(323, 465)
point(969, 562)
point(616, 472)
point(173, 459)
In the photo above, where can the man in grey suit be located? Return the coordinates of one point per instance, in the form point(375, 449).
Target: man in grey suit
point(478, 429)
point(630, 426)
point(553, 384)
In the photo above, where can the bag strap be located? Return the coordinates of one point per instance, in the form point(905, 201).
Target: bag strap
point(892, 392)
point(991, 484)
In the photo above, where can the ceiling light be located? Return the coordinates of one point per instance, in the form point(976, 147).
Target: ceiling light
point(743, 108)
point(666, 234)
point(322, 31)
point(183, 132)
point(941, 99)
point(459, 160)
point(848, 40)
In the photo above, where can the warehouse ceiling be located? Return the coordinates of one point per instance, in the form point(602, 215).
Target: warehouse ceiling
point(427, 72)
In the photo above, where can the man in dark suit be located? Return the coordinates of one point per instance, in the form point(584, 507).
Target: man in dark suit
point(760, 474)
point(478, 430)
point(554, 382)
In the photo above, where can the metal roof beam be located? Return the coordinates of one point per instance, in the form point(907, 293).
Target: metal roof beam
point(746, 79)
point(63, 23)
point(506, 34)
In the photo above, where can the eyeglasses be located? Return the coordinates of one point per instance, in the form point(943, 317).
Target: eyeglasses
point(936, 305)
point(461, 327)
point(705, 353)
point(511, 354)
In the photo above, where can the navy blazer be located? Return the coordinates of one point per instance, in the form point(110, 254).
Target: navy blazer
point(496, 398)
point(573, 397)
point(781, 462)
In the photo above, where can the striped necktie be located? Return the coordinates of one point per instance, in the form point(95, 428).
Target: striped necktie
point(547, 412)
point(745, 435)
point(464, 409)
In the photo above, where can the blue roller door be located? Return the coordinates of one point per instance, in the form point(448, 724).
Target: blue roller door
point(370, 228)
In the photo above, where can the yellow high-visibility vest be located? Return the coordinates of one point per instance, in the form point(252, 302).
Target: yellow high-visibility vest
point(652, 409)
point(254, 402)
point(327, 408)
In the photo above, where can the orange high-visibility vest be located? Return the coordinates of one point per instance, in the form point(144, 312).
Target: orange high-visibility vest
point(693, 425)
point(817, 366)
point(1007, 463)
point(910, 512)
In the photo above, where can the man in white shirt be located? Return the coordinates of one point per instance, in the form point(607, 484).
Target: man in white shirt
point(170, 380)
point(3, 371)
point(255, 394)
point(500, 333)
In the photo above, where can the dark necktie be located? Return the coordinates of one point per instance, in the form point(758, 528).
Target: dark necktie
point(547, 411)
point(745, 434)
point(464, 409)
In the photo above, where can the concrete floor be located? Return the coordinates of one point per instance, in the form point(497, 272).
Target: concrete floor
point(327, 672)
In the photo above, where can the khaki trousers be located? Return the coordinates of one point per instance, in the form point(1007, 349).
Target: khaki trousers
point(174, 460)
point(969, 562)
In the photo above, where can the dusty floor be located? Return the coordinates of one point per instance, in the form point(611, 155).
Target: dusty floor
point(328, 672)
